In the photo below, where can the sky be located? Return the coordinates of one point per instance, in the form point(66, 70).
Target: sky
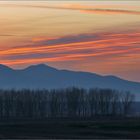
point(99, 37)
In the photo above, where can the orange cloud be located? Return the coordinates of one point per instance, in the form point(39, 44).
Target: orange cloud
point(38, 39)
point(106, 44)
point(110, 11)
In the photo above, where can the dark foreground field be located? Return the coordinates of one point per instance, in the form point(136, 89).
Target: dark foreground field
point(71, 128)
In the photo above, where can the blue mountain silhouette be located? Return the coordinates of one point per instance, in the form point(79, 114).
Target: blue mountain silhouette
point(42, 76)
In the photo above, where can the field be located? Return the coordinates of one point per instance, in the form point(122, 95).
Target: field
point(71, 128)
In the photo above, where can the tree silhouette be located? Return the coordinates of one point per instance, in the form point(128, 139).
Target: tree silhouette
point(69, 102)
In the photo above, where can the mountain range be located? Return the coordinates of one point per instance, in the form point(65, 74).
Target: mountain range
point(43, 76)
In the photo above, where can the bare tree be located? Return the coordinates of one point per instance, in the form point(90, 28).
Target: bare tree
point(127, 99)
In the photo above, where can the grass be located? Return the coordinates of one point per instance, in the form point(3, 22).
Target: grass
point(71, 128)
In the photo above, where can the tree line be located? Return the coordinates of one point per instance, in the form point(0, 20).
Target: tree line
point(69, 102)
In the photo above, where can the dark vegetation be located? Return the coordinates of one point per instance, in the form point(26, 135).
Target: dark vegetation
point(62, 103)
point(67, 113)
point(99, 127)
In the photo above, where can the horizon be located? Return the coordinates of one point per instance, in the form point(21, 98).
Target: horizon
point(92, 36)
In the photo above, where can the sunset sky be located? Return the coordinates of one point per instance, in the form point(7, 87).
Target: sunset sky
point(99, 37)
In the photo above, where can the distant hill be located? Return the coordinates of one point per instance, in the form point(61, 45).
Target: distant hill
point(43, 76)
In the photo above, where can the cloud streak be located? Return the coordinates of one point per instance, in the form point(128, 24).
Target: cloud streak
point(4, 35)
point(83, 8)
point(103, 45)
